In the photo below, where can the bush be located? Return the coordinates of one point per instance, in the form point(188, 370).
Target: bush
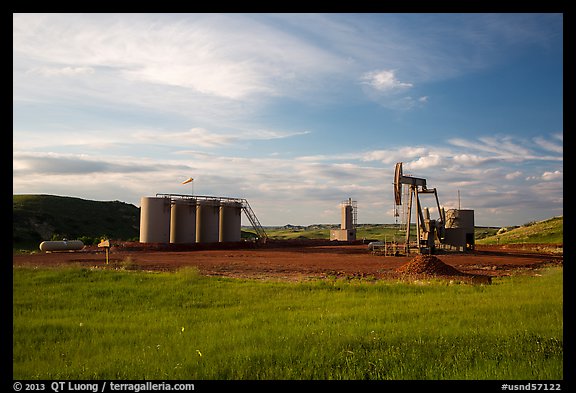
point(87, 240)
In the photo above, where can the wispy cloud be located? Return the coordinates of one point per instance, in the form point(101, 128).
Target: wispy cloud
point(227, 56)
point(204, 138)
point(553, 144)
point(466, 153)
point(39, 164)
point(503, 148)
point(61, 71)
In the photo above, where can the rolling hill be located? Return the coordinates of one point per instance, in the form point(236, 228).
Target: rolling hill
point(546, 231)
point(43, 217)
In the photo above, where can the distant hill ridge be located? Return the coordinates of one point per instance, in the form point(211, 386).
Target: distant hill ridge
point(42, 217)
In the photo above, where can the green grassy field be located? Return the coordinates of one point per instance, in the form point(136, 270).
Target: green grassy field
point(79, 323)
point(546, 231)
point(365, 231)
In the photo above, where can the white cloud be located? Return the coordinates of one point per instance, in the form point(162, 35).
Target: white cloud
point(384, 81)
point(394, 155)
point(470, 159)
point(428, 161)
point(555, 175)
point(513, 175)
point(383, 87)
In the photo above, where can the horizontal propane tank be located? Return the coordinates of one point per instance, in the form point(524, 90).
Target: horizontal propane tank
point(61, 245)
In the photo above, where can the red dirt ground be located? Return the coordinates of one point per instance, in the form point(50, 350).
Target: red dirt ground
point(293, 260)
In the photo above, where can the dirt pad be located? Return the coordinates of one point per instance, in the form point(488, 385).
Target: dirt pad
point(296, 261)
point(429, 265)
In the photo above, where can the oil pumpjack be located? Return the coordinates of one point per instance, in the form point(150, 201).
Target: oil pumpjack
point(427, 230)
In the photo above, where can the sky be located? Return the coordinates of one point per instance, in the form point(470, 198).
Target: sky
point(294, 112)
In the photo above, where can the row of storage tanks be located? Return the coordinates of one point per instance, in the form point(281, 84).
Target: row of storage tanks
point(186, 221)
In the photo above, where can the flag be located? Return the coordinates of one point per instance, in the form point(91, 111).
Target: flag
point(187, 180)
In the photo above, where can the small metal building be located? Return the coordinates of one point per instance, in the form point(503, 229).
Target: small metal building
point(459, 229)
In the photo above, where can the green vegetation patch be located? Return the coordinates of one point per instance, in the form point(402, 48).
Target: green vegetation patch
point(79, 323)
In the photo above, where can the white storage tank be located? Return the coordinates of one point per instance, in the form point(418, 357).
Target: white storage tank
point(154, 220)
point(207, 221)
point(183, 221)
point(230, 222)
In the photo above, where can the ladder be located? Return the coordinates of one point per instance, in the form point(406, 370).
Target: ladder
point(254, 220)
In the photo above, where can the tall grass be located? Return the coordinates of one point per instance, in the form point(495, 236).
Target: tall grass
point(78, 323)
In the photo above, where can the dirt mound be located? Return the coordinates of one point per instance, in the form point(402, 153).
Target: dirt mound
point(429, 265)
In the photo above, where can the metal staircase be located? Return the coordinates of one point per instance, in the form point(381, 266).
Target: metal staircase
point(254, 220)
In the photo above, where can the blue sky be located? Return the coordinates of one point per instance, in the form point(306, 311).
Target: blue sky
point(294, 112)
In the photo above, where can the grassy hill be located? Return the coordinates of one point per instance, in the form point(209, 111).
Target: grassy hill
point(45, 217)
point(547, 231)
